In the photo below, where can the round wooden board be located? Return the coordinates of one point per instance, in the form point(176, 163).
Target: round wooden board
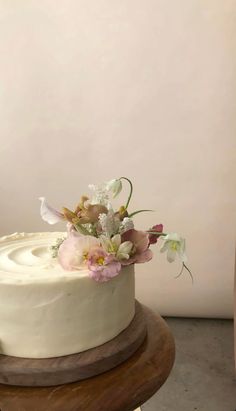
point(124, 387)
point(75, 367)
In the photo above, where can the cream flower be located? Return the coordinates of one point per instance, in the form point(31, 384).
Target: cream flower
point(114, 246)
point(174, 244)
point(124, 251)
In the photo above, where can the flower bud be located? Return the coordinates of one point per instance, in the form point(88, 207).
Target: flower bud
point(115, 186)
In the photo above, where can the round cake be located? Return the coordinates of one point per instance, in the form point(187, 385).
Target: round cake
point(46, 311)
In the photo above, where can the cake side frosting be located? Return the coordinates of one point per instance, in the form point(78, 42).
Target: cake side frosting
point(46, 311)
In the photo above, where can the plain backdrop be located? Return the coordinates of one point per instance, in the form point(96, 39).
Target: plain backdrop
point(92, 90)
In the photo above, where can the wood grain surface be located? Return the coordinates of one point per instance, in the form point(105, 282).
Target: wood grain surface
point(123, 388)
point(76, 367)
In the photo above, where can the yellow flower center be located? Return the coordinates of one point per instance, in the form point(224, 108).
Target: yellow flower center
point(85, 256)
point(174, 246)
point(100, 260)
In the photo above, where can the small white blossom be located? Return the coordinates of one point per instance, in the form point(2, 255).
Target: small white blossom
point(100, 195)
point(110, 223)
point(174, 244)
point(126, 224)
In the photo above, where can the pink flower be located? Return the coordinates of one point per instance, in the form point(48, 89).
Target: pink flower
point(73, 252)
point(102, 266)
point(154, 237)
point(140, 252)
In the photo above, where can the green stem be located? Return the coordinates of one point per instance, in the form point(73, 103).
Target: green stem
point(137, 212)
point(95, 234)
point(81, 229)
point(131, 190)
point(156, 232)
point(186, 268)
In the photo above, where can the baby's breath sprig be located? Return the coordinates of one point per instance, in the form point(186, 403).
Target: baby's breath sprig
point(55, 247)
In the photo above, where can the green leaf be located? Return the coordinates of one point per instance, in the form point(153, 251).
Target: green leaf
point(159, 233)
point(81, 229)
point(137, 212)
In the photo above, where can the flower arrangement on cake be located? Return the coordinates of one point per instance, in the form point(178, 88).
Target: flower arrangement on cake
point(102, 239)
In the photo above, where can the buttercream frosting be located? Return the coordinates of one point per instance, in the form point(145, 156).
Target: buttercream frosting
point(46, 311)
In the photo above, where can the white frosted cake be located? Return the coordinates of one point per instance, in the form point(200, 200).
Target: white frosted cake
point(46, 311)
point(64, 293)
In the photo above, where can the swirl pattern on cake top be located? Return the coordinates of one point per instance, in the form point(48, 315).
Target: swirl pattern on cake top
point(46, 311)
point(28, 256)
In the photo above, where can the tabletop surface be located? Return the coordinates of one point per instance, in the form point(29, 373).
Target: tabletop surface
point(123, 388)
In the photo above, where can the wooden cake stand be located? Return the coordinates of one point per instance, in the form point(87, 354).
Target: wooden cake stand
point(123, 388)
point(62, 370)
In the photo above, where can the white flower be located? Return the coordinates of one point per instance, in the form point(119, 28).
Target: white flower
point(111, 245)
point(115, 186)
point(174, 244)
point(110, 223)
point(48, 213)
point(100, 195)
point(114, 246)
point(126, 224)
point(123, 252)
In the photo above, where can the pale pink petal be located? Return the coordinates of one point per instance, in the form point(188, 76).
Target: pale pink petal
point(112, 269)
point(140, 240)
point(96, 275)
point(139, 258)
point(48, 213)
point(94, 254)
point(104, 272)
point(73, 250)
point(142, 243)
point(70, 227)
point(131, 260)
point(67, 253)
point(144, 257)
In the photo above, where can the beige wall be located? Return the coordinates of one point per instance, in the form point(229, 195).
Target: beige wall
point(91, 90)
